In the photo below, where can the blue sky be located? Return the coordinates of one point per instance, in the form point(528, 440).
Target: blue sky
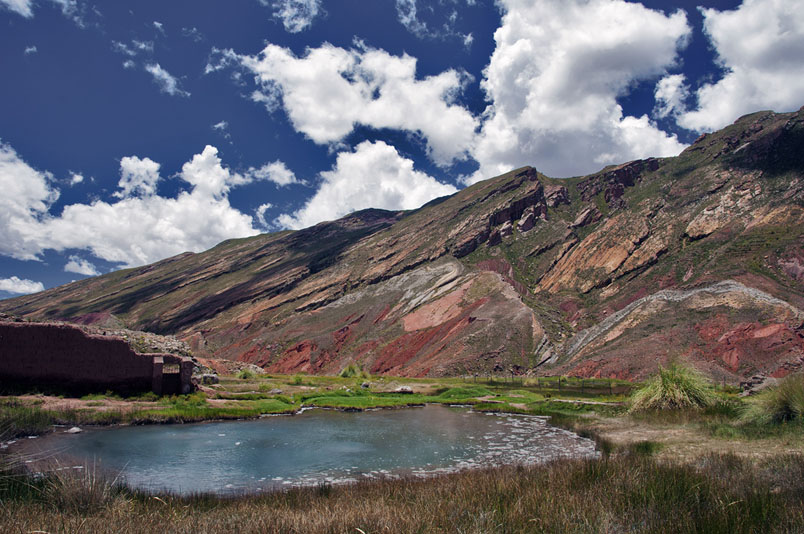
point(134, 131)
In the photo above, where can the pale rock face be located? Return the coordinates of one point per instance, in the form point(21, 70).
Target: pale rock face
point(527, 222)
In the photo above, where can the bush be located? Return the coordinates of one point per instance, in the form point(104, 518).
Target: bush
point(779, 404)
point(246, 374)
point(673, 388)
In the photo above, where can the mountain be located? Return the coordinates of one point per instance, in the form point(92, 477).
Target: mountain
point(698, 257)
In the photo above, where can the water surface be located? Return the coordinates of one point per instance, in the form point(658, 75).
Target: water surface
point(314, 447)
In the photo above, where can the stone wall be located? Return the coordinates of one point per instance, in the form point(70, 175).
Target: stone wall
point(65, 357)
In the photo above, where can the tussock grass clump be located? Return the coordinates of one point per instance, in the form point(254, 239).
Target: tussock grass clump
point(246, 374)
point(353, 371)
point(81, 491)
point(675, 387)
point(465, 392)
point(778, 404)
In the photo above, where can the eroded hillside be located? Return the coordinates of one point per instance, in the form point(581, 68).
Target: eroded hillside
point(700, 256)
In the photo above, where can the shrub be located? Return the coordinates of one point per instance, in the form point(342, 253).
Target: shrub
point(246, 374)
point(779, 404)
point(673, 388)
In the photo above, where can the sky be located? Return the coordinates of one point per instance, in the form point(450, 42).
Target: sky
point(135, 131)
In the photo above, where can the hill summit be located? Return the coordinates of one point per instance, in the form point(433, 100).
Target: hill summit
point(697, 257)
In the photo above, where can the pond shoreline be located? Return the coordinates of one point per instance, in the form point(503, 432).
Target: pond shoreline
point(383, 441)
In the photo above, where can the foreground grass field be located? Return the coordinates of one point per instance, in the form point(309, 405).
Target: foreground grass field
point(628, 492)
point(692, 470)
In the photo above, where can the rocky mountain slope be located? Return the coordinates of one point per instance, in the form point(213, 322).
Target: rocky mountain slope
point(699, 257)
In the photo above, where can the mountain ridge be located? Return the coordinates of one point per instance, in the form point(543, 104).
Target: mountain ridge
point(505, 273)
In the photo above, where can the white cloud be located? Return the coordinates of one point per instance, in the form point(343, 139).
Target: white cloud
point(408, 14)
point(139, 227)
point(260, 213)
point(79, 265)
point(123, 48)
point(276, 172)
point(31, 50)
point(69, 9)
point(330, 90)
point(143, 46)
point(129, 64)
point(193, 33)
point(670, 94)
point(20, 286)
point(137, 177)
point(160, 27)
point(27, 196)
point(373, 176)
point(166, 82)
point(295, 15)
point(222, 128)
point(761, 44)
point(76, 178)
point(21, 7)
point(554, 79)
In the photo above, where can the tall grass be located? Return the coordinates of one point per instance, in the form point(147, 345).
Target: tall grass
point(779, 404)
point(626, 493)
point(674, 387)
point(353, 371)
point(81, 491)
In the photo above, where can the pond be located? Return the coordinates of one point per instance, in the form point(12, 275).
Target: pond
point(317, 446)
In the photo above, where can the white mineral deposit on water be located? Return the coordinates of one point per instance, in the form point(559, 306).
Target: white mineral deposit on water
point(320, 446)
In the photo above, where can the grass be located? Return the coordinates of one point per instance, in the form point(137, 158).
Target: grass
point(675, 387)
point(353, 371)
point(624, 493)
point(780, 404)
point(635, 487)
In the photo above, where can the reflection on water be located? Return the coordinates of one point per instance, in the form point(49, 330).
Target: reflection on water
point(317, 446)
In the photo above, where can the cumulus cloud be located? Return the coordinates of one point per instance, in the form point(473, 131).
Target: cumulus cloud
point(129, 64)
point(76, 178)
point(167, 83)
point(295, 15)
point(373, 176)
point(554, 79)
point(670, 94)
point(78, 265)
point(137, 177)
point(330, 90)
point(21, 7)
point(20, 286)
point(31, 50)
point(160, 27)
point(139, 227)
point(276, 172)
point(760, 45)
point(27, 196)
